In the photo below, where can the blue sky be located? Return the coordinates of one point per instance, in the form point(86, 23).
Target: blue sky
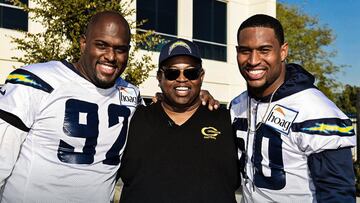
point(343, 17)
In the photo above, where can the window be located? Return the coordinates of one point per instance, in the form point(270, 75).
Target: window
point(13, 17)
point(161, 16)
point(209, 28)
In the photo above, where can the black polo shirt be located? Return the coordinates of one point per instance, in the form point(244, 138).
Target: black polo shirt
point(165, 162)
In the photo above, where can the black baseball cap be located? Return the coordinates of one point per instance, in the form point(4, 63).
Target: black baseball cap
point(179, 47)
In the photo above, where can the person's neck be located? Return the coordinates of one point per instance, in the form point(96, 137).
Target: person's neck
point(80, 68)
point(180, 114)
point(261, 93)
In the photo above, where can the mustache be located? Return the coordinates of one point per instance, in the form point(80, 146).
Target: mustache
point(249, 66)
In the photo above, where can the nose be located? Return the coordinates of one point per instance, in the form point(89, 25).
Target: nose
point(110, 54)
point(181, 77)
point(254, 58)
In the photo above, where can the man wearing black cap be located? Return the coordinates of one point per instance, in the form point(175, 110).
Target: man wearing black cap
point(177, 149)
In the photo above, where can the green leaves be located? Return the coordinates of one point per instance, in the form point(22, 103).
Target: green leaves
point(309, 46)
point(346, 101)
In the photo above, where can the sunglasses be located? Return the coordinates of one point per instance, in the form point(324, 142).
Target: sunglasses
point(192, 73)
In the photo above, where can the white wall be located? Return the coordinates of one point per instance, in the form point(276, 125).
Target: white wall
point(7, 50)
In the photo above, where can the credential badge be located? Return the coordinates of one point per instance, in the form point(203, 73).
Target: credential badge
point(128, 96)
point(281, 118)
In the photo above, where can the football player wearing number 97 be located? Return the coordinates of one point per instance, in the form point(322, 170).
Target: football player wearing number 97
point(294, 143)
point(63, 125)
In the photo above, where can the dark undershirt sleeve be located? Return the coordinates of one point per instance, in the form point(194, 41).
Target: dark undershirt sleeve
point(333, 175)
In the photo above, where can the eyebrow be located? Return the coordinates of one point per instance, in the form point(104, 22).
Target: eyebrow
point(260, 47)
point(117, 46)
point(99, 40)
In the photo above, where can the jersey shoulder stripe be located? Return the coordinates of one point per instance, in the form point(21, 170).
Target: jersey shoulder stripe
point(13, 120)
point(325, 126)
point(24, 77)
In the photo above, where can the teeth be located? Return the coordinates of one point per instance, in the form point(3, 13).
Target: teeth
point(182, 88)
point(256, 71)
point(107, 67)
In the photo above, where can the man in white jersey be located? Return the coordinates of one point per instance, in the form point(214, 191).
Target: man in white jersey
point(63, 126)
point(294, 143)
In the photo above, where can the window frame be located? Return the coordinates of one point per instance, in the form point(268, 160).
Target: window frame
point(3, 4)
point(212, 43)
point(165, 36)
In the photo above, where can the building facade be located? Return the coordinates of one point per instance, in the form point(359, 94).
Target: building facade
point(212, 24)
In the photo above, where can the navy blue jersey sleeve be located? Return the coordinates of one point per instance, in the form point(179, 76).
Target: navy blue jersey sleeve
point(333, 175)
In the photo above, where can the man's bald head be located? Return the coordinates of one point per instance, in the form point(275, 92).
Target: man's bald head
point(107, 16)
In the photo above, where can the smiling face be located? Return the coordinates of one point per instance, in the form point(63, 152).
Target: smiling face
point(181, 93)
point(261, 59)
point(104, 50)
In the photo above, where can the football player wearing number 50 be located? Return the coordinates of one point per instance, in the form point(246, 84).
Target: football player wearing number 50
point(293, 141)
point(63, 125)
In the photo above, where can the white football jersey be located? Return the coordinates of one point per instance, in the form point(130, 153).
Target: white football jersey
point(76, 133)
point(288, 130)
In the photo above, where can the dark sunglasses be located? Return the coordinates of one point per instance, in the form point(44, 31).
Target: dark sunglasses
point(173, 74)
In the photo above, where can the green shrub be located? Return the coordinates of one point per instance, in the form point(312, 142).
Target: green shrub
point(357, 177)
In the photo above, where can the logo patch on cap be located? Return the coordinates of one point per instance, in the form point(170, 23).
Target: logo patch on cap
point(177, 44)
point(281, 118)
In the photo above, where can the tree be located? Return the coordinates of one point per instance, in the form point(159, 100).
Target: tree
point(346, 100)
point(308, 46)
point(357, 174)
point(65, 21)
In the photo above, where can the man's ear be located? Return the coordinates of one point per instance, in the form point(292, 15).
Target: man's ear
point(202, 75)
point(284, 51)
point(158, 75)
point(82, 43)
